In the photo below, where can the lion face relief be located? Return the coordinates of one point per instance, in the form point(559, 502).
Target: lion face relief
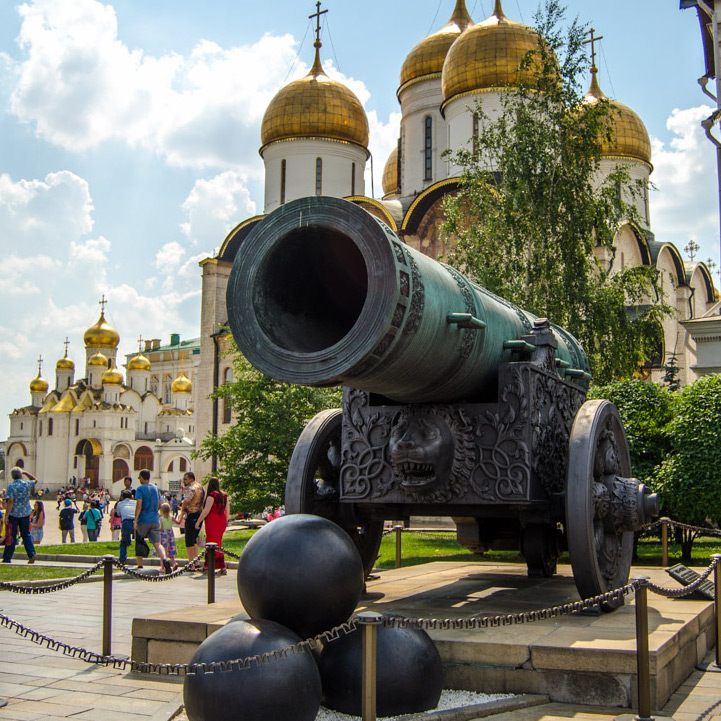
point(421, 447)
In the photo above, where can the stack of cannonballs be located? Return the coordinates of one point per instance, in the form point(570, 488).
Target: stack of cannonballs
point(299, 576)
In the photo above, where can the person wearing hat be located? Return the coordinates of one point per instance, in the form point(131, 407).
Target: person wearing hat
point(66, 520)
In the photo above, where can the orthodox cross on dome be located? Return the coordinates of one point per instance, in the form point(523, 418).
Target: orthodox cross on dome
point(317, 15)
point(66, 344)
point(40, 366)
point(140, 344)
point(592, 41)
point(711, 265)
point(692, 247)
point(102, 303)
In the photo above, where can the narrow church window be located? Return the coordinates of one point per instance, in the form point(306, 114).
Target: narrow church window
point(429, 149)
point(41, 429)
point(352, 179)
point(50, 426)
point(21, 426)
point(183, 465)
point(318, 176)
point(77, 426)
point(282, 181)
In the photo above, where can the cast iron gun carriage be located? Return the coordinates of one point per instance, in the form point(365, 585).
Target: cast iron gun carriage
point(455, 403)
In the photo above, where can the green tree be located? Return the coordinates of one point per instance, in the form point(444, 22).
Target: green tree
point(533, 206)
point(689, 479)
point(268, 416)
point(646, 410)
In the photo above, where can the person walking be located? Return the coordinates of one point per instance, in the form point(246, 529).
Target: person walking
point(93, 518)
point(66, 521)
point(126, 508)
point(37, 522)
point(190, 510)
point(116, 523)
point(18, 511)
point(215, 513)
point(83, 518)
point(147, 518)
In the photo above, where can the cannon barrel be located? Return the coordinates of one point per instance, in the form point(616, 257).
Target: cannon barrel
point(323, 293)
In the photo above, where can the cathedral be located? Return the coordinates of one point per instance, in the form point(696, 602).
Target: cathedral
point(97, 429)
point(314, 141)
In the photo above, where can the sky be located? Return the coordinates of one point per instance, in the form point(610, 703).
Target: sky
point(129, 135)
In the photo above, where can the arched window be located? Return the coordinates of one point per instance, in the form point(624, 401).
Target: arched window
point(120, 470)
point(428, 149)
point(20, 463)
point(183, 465)
point(282, 181)
point(170, 466)
point(318, 176)
point(143, 459)
point(227, 411)
point(352, 179)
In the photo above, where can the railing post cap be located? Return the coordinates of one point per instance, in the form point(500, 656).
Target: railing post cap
point(643, 580)
point(108, 557)
point(369, 618)
point(665, 519)
point(716, 556)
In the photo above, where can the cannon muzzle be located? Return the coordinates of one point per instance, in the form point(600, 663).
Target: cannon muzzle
point(322, 293)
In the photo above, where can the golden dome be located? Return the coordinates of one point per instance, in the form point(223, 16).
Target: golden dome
point(139, 363)
point(315, 107)
point(98, 360)
point(489, 54)
point(427, 57)
point(182, 384)
point(629, 135)
point(101, 335)
point(390, 173)
point(65, 363)
point(112, 377)
point(39, 385)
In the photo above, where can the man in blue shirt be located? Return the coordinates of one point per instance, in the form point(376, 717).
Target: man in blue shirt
point(17, 505)
point(147, 518)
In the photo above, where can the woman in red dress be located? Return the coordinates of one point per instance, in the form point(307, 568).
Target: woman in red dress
point(215, 514)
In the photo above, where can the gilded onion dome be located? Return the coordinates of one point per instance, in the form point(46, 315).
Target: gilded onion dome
point(65, 363)
point(629, 137)
point(101, 335)
point(489, 54)
point(139, 363)
point(39, 384)
point(315, 107)
point(427, 57)
point(182, 384)
point(112, 377)
point(98, 360)
point(390, 173)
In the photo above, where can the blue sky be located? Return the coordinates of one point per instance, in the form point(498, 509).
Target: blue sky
point(129, 133)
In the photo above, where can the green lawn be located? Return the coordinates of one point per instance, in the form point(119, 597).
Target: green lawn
point(20, 571)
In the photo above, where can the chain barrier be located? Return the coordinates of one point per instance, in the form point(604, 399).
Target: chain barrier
point(610, 597)
point(51, 588)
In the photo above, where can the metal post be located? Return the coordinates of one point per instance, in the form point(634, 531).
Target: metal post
point(369, 623)
point(717, 606)
point(107, 604)
point(398, 529)
point(664, 542)
point(210, 558)
point(642, 655)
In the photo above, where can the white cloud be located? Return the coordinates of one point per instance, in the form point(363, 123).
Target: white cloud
point(80, 86)
point(686, 204)
point(214, 207)
point(384, 137)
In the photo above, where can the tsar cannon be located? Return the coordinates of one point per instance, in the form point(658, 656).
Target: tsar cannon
point(455, 403)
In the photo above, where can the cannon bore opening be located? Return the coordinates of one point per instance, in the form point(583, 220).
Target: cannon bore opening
point(311, 289)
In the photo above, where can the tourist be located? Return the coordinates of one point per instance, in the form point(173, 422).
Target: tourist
point(147, 518)
point(126, 509)
point(37, 522)
point(66, 521)
point(17, 506)
point(93, 520)
point(83, 518)
point(60, 498)
point(190, 511)
point(215, 514)
point(167, 534)
point(116, 524)
point(127, 486)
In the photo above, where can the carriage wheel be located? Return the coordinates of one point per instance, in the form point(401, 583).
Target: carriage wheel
point(317, 456)
point(600, 556)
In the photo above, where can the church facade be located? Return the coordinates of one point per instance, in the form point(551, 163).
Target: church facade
point(314, 141)
point(99, 428)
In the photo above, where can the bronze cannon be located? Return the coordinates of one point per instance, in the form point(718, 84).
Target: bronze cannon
point(456, 402)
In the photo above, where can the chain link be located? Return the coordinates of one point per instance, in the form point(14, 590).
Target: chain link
point(685, 590)
point(51, 588)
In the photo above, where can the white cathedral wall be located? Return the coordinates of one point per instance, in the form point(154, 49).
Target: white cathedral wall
point(419, 101)
point(300, 169)
point(638, 172)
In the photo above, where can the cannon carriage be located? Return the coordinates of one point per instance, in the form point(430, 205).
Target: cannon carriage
point(456, 402)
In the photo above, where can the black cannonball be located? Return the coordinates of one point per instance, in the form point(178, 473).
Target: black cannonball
point(409, 672)
point(301, 571)
point(287, 689)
